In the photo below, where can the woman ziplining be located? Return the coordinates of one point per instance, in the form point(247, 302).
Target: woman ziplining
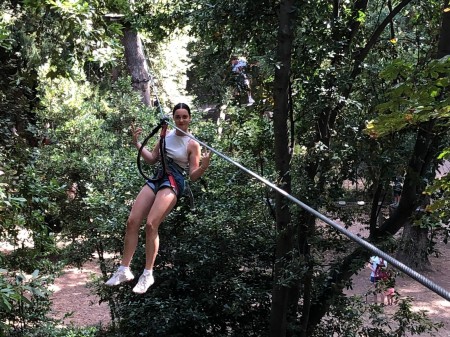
point(176, 153)
point(155, 201)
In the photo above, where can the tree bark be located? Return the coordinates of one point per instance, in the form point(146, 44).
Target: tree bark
point(423, 150)
point(278, 316)
point(413, 247)
point(444, 36)
point(137, 65)
point(412, 188)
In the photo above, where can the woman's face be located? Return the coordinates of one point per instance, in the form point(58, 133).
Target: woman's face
point(182, 118)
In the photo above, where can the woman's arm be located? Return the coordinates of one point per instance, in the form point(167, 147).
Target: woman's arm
point(196, 169)
point(150, 157)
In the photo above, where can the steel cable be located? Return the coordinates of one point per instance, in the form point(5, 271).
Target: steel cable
point(400, 266)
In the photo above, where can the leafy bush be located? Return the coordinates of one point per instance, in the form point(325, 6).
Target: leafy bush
point(50, 330)
point(352, 316)
point(25, 300)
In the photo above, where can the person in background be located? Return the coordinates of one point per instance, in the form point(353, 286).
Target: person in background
point(159, 195)
point(397, 190)
point(389, 285)
point(373, 264)
point(238, 67)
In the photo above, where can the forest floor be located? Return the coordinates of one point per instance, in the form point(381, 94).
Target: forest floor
point(436, 307)
point(72, 295)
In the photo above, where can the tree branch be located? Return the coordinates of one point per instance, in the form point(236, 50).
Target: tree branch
point(375, 36)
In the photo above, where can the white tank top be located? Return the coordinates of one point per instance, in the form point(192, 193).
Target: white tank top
point(176, 148)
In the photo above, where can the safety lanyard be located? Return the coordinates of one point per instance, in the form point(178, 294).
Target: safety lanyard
point(162, 150)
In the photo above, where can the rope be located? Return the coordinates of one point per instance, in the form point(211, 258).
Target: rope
point(400, 266)
point(162, 122)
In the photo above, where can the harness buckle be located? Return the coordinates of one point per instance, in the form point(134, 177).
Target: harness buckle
point(164, 120)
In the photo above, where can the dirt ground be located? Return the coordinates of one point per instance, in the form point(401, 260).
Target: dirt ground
point(437, 308)
point(71, 294)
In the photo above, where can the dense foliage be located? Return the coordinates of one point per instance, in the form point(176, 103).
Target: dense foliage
point(359, 96)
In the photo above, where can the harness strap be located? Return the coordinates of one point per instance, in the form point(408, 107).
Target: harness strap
point(162, 150)
point(154, 131)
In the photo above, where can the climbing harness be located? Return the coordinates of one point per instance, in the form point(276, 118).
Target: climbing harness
point(164, 169)
point(167, 165)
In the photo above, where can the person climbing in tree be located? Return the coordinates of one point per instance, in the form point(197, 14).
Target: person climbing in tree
point(160, 194)
point(238, 67)
point(397, 190)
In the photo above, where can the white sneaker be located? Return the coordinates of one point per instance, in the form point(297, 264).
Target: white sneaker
point(250, 101)
point(145, 281)
point(119, 277)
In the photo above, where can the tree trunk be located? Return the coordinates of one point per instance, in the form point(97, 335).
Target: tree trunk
point(412, 188)
point(137, 65)
point(278, 317)
point(444, 35)
point(413, 247)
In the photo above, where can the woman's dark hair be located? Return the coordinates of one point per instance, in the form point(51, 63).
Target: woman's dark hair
point(181, 106)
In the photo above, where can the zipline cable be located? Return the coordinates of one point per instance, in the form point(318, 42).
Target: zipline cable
point(400, 266)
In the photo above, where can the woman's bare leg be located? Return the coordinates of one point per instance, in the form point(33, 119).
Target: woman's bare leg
point(164, 201)
point(139, 211)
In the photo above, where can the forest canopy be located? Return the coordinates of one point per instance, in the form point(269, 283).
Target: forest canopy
point(350, 96)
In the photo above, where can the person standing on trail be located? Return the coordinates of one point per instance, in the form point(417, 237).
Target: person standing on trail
point(389, 285)
point(160, 194)
point(376, 262)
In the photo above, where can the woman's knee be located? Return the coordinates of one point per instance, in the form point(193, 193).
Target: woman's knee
point(133, 225)
point(151, 228)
